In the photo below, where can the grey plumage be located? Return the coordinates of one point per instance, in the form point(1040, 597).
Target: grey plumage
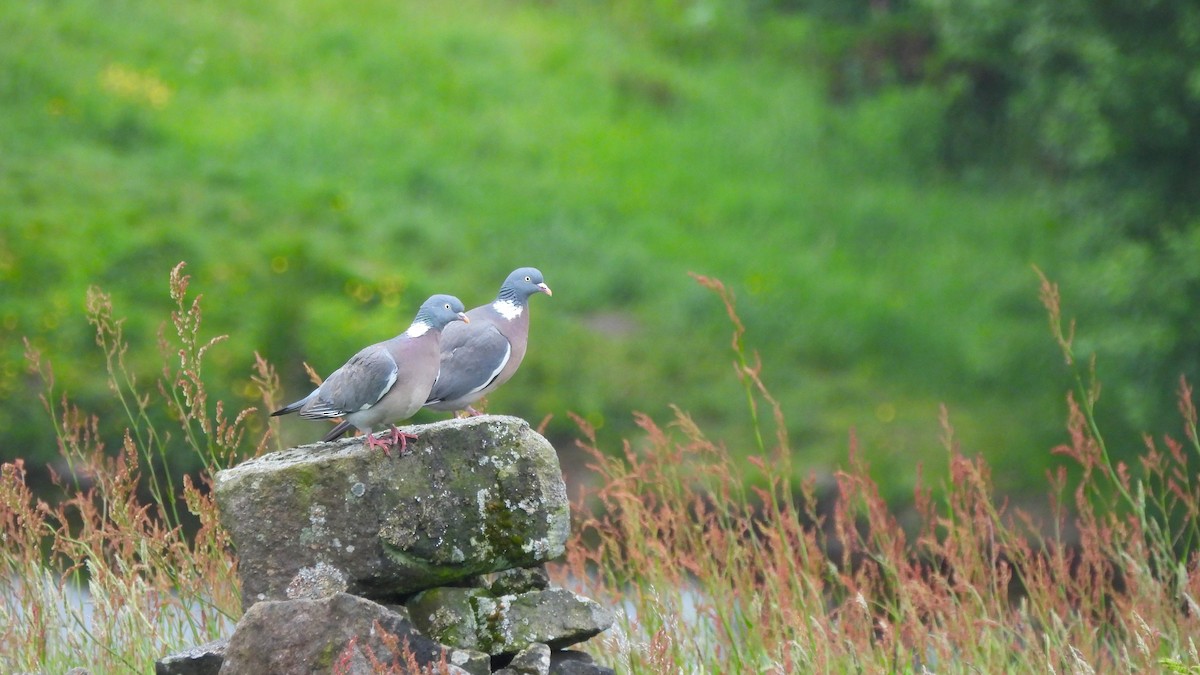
point(480, 356)
point(385, 382)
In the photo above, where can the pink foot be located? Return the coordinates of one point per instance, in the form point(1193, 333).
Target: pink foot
point(386, 446)
point(402, 437)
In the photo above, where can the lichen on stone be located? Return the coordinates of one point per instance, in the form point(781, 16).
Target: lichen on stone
point(319, 581)
point(490, 495)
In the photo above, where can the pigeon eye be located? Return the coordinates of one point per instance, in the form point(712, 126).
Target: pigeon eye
point(447, 305)
point(528, 279)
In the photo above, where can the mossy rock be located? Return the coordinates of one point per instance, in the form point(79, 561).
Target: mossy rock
point(447, 615)
point(555, 616)
point(470, 496)
point(320, 636)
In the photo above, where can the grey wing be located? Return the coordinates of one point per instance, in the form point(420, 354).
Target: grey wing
point(470, 361)
point(356, 386)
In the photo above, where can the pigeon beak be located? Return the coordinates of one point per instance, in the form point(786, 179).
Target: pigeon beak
point(545, 289)
point(463, 317)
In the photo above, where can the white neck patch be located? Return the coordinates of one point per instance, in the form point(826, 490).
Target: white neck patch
point(507, 309)
point(417, 329)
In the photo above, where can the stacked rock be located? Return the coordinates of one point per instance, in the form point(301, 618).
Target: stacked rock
point(352, 561)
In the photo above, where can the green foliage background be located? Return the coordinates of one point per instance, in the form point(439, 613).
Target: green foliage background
point(874, 180)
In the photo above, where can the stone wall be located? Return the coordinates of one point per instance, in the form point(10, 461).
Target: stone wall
point(348, 557)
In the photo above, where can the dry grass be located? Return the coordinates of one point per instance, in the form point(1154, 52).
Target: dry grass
point(716, 576)
point(106, 577)
point(398, 657)
point(716, 566)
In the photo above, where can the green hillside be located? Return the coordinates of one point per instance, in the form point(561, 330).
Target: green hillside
point(324, 166)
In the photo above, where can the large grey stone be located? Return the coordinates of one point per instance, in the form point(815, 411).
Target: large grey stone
point(205, 659)
point(556, 617)
point(471, 496)
point(312, 637)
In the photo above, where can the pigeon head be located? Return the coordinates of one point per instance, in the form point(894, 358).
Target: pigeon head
point(440, 310)
point(522, 283)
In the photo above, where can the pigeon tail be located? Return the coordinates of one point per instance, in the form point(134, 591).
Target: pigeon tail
point(290, 408)
point(334, 433)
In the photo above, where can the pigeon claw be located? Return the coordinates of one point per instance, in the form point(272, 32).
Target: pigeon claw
point(402, 438)
point(373, 443)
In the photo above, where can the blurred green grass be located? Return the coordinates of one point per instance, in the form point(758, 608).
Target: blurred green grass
point(323, 166)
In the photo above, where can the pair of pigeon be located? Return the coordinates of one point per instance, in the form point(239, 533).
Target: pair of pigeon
point(446, 360)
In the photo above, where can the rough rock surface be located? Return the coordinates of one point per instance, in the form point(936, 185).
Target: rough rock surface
point(519, 580)
point(571, 662)
point(556, 616)
point(299, 637)
point(532, 661)
point(316, 582)
point(474, 618)
point(470, 496)
point(447, 615)
point(203, 660)
point(459, 528)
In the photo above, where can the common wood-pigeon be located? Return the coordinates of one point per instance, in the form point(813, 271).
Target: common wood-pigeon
point(480, 356)
point(387, 382)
